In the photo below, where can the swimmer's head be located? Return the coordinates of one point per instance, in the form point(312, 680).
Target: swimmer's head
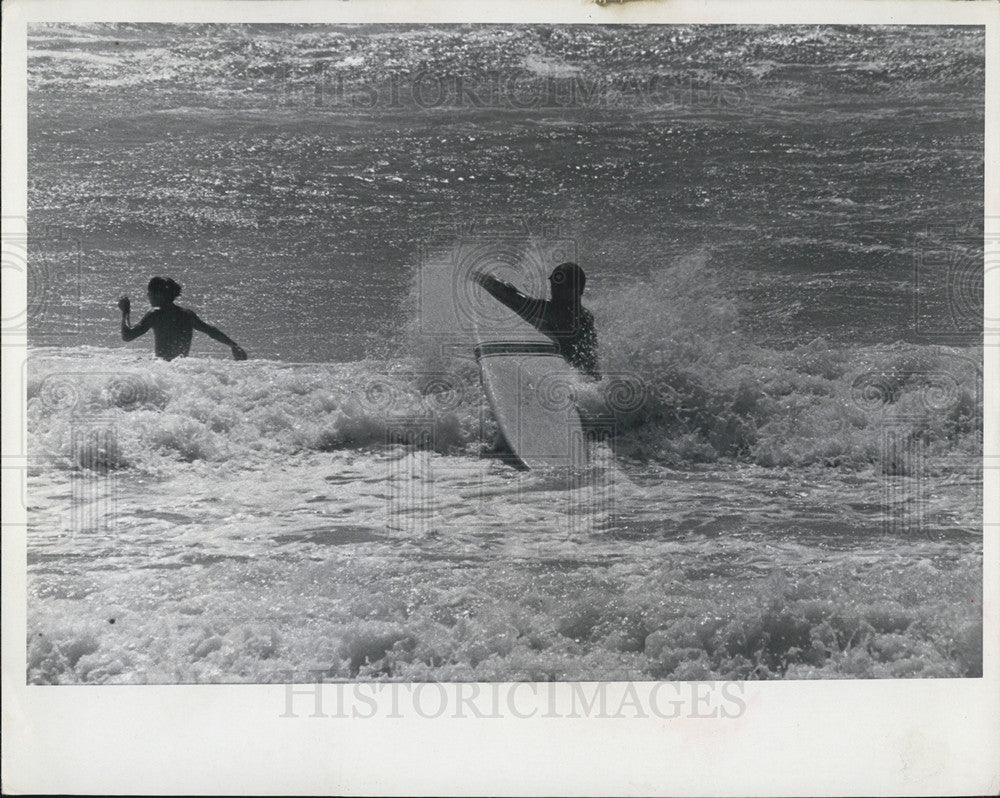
point(162, 290)
point(567, 281)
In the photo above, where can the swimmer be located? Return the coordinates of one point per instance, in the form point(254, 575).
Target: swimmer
point(171, 324)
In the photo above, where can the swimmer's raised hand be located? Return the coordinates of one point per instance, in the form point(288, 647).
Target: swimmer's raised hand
point(238, 353)
point(124, 305)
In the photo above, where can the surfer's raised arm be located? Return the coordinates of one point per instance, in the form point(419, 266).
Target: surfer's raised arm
point(526, 307)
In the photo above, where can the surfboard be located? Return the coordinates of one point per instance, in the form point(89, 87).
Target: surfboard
point(529, 387)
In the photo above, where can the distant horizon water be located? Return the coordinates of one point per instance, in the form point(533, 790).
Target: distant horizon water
point(830, 177)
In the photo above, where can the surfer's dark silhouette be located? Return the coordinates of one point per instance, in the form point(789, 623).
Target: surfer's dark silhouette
point(172, 325)
point(563, 318)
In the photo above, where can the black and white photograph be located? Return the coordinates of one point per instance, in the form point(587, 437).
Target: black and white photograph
point(393, 352)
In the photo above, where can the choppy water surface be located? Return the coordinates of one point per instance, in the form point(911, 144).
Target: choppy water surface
point(222, 521)
point(798, 494)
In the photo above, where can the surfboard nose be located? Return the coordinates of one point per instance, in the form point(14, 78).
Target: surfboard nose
point(515, 348)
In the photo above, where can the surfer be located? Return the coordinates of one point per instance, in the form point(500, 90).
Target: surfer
point(563, 318)
point(171, 324)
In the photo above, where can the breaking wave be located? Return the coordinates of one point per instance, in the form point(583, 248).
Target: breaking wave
point(681, 386)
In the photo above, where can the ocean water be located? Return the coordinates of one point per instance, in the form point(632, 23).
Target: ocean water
point(780, 228)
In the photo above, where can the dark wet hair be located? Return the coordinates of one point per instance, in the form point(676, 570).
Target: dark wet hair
point(165, 287)
point(571, 274)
